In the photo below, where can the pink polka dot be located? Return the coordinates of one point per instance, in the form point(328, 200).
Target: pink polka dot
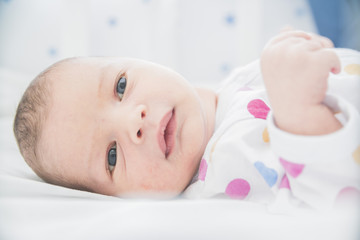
point(284, 182)
point(202, 170)
point(238, 188)
point(348, 194)
point(258, 108)
point(294, 169)
point(244, 88)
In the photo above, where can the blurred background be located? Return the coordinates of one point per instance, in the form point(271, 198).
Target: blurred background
point(201, 39)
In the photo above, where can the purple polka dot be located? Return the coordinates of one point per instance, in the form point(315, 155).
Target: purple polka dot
point(202, 170)
point(293, 169)
point(238, 188)
point(284, 182)
point(258, 108)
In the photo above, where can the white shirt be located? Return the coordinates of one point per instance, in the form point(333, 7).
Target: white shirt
point(249, 158)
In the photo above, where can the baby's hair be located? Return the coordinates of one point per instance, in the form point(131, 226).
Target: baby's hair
point(31, 114)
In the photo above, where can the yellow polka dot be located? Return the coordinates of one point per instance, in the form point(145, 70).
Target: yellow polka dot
point(352, 69)
point(213, 149)
point(265, 136)
point(356, 155)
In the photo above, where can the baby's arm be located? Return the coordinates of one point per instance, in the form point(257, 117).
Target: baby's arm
point(295, 67)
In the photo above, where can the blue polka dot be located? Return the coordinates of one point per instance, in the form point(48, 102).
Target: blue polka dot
point(225, 68)
point(112, 21)
point(300, 12)
point(230, 19)
point(52, 51)
point(269, 174)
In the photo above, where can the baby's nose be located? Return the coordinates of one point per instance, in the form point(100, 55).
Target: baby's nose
point(136, 126)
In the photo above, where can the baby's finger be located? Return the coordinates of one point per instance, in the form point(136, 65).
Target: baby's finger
point(287, 28)
point(330, 60)
point(289, 34)
point(312, 45)
point(325, 42)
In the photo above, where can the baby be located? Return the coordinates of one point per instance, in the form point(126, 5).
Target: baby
point(123, 127)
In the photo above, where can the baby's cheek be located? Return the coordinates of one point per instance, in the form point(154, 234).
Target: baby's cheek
point(193, 138)
point(142, 175)
point(151, 179)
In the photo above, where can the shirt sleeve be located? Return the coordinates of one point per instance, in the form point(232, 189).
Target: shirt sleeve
point(320, 168)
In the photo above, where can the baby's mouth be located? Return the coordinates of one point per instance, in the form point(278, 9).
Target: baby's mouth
point(169, 134)
point(166, 136)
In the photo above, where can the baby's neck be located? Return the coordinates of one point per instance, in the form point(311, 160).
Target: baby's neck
point(209, 100)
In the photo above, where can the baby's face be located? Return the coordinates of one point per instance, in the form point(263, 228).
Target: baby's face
point(121, 126)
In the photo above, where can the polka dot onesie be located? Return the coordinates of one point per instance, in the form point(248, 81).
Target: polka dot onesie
point(248, 158)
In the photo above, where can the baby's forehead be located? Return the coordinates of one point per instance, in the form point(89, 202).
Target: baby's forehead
point(78, 64)
point(82, 65)
point(67, 133)
point(75, 67)
point(74, 70)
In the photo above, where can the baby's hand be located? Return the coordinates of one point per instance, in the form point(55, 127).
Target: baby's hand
point(295, 67)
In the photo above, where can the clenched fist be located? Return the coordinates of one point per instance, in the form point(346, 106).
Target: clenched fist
point(295, 66)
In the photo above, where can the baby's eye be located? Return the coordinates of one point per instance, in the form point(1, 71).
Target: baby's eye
point(112, 158)
point(120, 88)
